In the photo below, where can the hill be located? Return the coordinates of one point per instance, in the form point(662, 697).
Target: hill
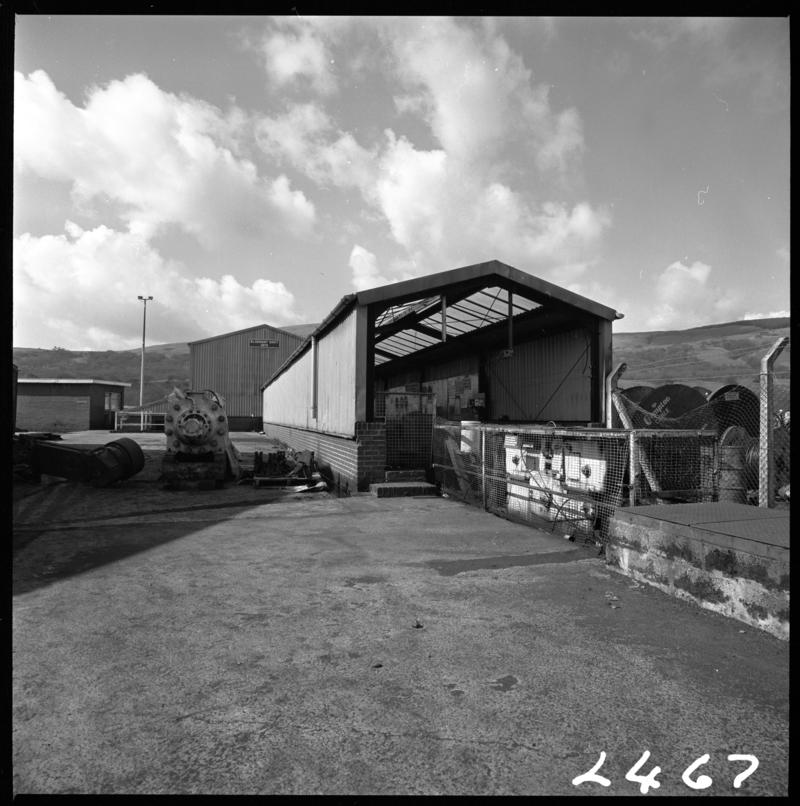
point(707, 356)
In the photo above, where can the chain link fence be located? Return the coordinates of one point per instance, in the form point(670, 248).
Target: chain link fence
point(409, 418)
point(750, 417)
point(665, 444)
point(571, 480)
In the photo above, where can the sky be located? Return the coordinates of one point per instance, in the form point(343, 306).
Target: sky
point(245, 170)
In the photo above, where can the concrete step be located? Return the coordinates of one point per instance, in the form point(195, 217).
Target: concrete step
point(392, 489)
point(405, 475)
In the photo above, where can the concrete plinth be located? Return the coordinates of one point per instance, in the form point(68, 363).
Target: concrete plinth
point(727, 557)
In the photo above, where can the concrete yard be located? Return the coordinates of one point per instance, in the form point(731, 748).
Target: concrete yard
point(255, 641)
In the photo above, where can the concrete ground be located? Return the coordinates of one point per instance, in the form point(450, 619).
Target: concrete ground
point(251, 641)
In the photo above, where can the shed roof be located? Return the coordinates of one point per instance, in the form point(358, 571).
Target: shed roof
point(72, 381)
point(411, 316)
point(435, 284)
point(297, 331)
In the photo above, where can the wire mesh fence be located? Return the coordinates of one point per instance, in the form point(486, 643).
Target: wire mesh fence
point(409, 418)
point(750, 418)
point(570, 480)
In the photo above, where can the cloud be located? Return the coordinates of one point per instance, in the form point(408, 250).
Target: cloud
point(480, 98)
point(770, 315)
point(365, 270)
point(83, 285)
point(483, 191)
point(164, 159)
point(306, 138)
point(294, 53)
point(682, 297)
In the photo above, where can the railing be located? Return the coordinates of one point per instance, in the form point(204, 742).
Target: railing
point(149, 418)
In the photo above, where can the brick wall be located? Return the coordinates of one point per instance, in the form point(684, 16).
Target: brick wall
point(348, 465)
point(57, 413)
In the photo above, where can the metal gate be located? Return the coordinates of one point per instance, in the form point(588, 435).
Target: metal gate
point(409, 418)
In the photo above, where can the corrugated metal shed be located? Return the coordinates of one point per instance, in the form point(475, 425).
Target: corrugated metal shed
point(527, 348)
point(236, 364)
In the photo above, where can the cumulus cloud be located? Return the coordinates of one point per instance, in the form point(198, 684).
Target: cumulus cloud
point(364, 266)
point(164, 159)
point(478, 96)
point(307, 138)
point(684, 297)
point(83, 286)
point(294, 52)
point(482, 192)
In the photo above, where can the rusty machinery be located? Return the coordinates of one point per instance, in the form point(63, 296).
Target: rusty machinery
point(36, 455)
point(199, 448)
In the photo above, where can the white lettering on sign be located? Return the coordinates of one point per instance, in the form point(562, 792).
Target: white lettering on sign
point(265, 343)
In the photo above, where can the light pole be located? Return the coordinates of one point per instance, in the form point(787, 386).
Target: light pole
point(141, 376)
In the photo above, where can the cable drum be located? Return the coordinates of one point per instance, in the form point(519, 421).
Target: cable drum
point(735, 405)
point(661, 407)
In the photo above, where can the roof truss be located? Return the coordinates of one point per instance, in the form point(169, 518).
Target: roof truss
point(418, 324)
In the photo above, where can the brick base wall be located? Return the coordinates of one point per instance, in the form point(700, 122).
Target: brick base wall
point(347, 464)
point(56, 413)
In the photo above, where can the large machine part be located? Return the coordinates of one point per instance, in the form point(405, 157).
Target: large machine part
point(36, 455)
point(199, 448)
point(735, 405)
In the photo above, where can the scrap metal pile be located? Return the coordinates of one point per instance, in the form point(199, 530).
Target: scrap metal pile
point(284, 468)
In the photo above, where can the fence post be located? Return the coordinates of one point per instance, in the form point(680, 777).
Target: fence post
point(611, 387)
point(634, 471)
point(766, 466)
point(483, 465)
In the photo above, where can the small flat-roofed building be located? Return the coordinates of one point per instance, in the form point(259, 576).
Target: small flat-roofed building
point(61, 405)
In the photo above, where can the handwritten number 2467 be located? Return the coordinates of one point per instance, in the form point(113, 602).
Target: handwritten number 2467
point(649, 781)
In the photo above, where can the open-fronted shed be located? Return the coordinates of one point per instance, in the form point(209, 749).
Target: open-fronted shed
point(484, 342)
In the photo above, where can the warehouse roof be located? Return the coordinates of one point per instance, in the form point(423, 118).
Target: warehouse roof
point(71, 381)
point(423, 312)
point(298, 331)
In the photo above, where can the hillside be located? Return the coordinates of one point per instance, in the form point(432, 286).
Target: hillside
point(708, 356)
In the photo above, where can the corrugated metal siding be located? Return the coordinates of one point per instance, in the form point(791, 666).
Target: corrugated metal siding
point(235, 370)
point(546, 379)
point(336, 378)
point(287, 400)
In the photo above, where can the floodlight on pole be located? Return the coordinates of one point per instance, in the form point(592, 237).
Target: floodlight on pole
point(144, 324)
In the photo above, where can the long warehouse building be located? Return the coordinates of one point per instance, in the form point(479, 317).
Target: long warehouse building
point(485, 342)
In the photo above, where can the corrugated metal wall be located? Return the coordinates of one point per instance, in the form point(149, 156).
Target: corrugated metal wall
point(336, 378)
point(546, 379)
point(236, 370)
point(289, 399)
